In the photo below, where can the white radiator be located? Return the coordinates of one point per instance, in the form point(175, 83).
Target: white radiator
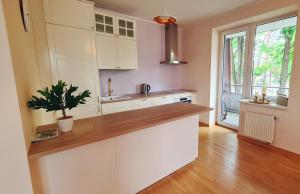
point(260, 126)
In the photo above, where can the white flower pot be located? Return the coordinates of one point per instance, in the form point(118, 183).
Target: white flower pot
point(65, 125)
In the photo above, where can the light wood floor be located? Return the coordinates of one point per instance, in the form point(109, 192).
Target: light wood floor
point(228, 165)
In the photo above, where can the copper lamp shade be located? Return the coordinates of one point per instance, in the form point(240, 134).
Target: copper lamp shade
point(165, 19)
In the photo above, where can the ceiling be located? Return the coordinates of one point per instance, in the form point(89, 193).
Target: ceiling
point(186, 11)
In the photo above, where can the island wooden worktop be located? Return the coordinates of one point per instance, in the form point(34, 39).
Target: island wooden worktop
point(93, 129)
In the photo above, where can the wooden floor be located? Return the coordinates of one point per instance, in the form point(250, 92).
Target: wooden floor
point(229, 165)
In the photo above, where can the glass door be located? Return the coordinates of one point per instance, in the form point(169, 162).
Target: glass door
point(232, 79)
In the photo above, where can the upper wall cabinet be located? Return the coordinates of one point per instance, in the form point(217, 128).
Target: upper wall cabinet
point(115, 41)
point(73, 13)
point(113, 25)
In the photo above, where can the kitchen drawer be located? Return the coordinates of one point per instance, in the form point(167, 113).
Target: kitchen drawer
point(143, 103)
point(163, 100)
point(117, 107)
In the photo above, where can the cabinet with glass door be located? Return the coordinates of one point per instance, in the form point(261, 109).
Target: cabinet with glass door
point(115, 41)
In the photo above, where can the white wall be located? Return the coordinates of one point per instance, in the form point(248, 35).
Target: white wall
point(24, 60)
point(200, 50)
point(14, 170)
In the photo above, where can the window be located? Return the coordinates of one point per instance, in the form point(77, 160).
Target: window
point(250, 61)
point(273, 56)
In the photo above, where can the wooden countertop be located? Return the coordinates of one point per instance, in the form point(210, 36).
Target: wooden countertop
point(94, 129)
point(151, 95)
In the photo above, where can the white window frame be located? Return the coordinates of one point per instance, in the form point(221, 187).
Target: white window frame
point(250, 30)
point(252, 46)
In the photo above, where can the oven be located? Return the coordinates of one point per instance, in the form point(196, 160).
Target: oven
point(185, 99)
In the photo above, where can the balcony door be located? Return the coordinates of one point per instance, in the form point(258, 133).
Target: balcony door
point(232, 76)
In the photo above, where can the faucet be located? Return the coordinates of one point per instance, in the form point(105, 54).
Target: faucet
point(110, 91)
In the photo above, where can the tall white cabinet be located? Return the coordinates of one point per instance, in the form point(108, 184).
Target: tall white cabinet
point(71, 40)
point(81, 41)
point(115, 41)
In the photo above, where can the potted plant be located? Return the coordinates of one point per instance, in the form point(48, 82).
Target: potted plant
point(59, 97)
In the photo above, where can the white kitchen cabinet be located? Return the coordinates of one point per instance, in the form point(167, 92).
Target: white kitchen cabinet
point(72, 42)
point(163, 100)
point(116, 53)
point(73, 13)
point(143, 103)
point(113, 107)
point(117, 107)
point(106, 52)
point(127, 54)
point(73, 60)
point(78, 72)
point(116, 41)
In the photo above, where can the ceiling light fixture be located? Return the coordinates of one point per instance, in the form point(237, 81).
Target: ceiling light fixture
point(165, 19)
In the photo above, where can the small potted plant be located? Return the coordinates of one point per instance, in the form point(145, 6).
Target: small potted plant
point(59, 97)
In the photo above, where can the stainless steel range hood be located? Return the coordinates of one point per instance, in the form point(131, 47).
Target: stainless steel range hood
point(171, 45)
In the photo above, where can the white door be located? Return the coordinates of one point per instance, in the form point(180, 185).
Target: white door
point(232, 79)
point(80, 73)
point(127, 54)
point(71, 42)
point(73, 60)
point(106, 52)
point(72, 13)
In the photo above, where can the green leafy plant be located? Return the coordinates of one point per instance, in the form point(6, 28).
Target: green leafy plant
point(59, 97)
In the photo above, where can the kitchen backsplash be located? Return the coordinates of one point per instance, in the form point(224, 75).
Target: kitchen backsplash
point(150, 42)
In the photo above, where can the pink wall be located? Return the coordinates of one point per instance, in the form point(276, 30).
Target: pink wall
point(150, 42)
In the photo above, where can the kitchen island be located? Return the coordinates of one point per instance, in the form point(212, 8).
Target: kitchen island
point(117, 153)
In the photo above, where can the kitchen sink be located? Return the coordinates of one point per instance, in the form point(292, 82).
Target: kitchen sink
point(112, 98)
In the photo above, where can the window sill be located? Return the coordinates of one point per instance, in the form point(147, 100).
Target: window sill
point(271, 105)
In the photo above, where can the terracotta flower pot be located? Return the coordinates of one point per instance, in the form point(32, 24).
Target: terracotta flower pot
point(65, 125)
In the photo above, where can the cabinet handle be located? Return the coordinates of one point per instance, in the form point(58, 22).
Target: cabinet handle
point(144, 99)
